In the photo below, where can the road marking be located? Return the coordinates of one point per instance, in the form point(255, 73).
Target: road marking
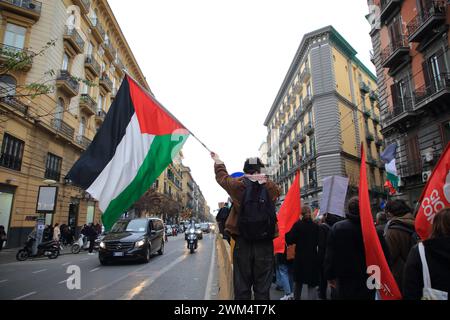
point(61, 282)
point(93, 270)
point(125, 276)
point(65, 264)
point(25, 295)
point(39, 271)
point(146, 283)
point(85, 259)
point(1, 281)
point(210, 275)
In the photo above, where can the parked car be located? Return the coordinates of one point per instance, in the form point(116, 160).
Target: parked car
point(132, 239)
point(205, 227)
point(169, 230)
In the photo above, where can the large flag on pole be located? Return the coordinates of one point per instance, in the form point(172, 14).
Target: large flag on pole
point(135, 144)
point(388, 157)
point(435, 195)
point(289, 214)
point(388, 289)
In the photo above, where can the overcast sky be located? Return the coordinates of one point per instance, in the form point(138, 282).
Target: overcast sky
point(218, 65)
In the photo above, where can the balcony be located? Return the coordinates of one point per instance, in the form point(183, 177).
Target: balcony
point(363, 87)
point(371, 161)
point(73, 41)
point(312, 185)
point(301, 137)
point(366, 112)
point(373, 95)
point(305, 75)
point(307, 101)
point(83, 4)
point(303, 190)
point(26, 8)
point(387, 8)
point(395, 53)
point(92, 65)
point(15, 104)
point(423, 24)
point(378, 141)
point(435, 94)
point(410, 169)
point(369, 136)
point(309, 129)
point(88, 104)
point(292, 98)
point(375, 117)
point(402, 112)
point(63, 129)
point(100, 116)
point(120, 67)
point(83, 141)
point(106, 83)
point(97, 29)
point(14, 58)
point(285, 106)
point(67, 83)
point(110, 52)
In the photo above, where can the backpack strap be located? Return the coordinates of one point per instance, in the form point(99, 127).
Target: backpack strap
point(425, 271)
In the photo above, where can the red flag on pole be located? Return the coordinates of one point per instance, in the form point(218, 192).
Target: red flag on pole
point(375, 259)
point(435, 195)
point(289, 214)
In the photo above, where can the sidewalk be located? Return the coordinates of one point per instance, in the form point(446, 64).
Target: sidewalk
point(8, 255)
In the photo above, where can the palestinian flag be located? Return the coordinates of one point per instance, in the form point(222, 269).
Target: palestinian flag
point(135, 144)
point(388, 156)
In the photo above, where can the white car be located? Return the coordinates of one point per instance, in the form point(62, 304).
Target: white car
point(169, 231)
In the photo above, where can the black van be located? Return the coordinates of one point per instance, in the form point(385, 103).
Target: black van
point(132, 239)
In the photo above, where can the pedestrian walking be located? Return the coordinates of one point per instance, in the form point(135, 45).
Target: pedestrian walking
point(328, 221)
point(3, 237)
point(345, 263)
point(399, 235)
point(434, 254)
point(91, 235)
point(285, 273)
point(253, 197)
point(305, 235)
point(56, 232)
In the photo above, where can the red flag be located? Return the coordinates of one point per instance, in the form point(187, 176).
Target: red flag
point(289, 214)
point(435, 195)
point(388, 289)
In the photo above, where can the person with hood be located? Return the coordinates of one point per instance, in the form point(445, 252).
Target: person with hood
point(253, 261)
point(328, 221)
point(399, 233)
point(345, 261)
point(437, 258)
point(305, 235)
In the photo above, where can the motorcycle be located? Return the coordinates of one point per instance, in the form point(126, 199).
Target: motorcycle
point(83, 244)
point(48, 249)
point(192, 240)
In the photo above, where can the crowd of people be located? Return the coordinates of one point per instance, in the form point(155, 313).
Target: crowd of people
point(325, 258)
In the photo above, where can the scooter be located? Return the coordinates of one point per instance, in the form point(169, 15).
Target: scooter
point(48, 249)
point(191, 240)
point(83, 244)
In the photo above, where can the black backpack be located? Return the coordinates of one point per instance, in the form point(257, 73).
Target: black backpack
point(400, 226)
point(222, 217)
point(257, 218)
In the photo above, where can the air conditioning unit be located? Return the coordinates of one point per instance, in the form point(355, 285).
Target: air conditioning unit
point(425, 176)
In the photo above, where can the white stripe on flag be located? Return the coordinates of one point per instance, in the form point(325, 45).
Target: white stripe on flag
point(123, 167)
point(391, 168)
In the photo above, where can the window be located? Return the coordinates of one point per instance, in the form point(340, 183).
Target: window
point(65, 62)
point(445, 133)
point(53, 167)
point(59, 112)
point(12, 152)
point(82, 127)
point(7, 86)
point(100, 103)
point(90, 49)
point(310, 118)
point(90, 213)
point(308, 90)
point(312, 145)
point(14, 36)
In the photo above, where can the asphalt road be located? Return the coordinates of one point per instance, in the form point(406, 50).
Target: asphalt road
point(175, 275)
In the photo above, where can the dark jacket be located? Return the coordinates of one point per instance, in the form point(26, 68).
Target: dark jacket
point(305, 235)
point(235, 189)
point(399, 243)
point(345, 259)
point(324, 230)
point(437, 253)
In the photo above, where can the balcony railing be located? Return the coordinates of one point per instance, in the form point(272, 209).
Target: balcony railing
point(422, 25)
point(15, 58)
point(395, 52)
point(88, 104)
point(363, 87)
point(27, 8)
point(97, 29)
point(301, 137)
point(109, 49)
point(11, 161)
point(437, 91)
point(411, 168)
point(369, 136)
point(307, 100)
point(92, 65)
point(15, 103)
point(119, 65)
point(83, 4)
point(402, 110)
point(52, 174)
point(67, 83)
point(373, 95)
point(387, 8)
point(63, 129)
point(309, 129)
point(375, 117)
point(306, 73)
point(366, 111)
point(106, 83)
point(100, 116)
point(73, 38)
point(83, 141)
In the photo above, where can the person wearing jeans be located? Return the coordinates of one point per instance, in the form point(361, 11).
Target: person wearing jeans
point(286, 276)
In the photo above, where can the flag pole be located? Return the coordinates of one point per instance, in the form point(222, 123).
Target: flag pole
point(165, 109)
